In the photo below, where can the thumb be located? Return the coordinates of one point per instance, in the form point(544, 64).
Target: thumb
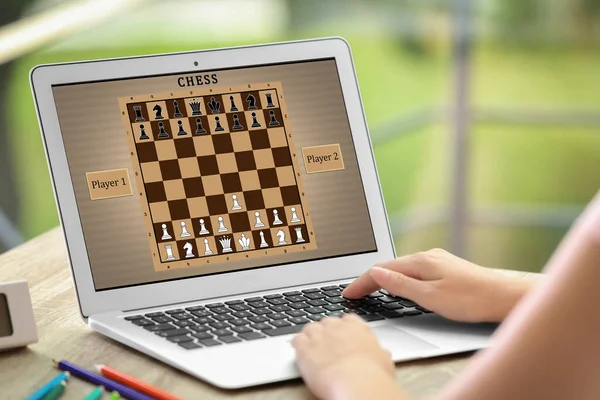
point(399, 284)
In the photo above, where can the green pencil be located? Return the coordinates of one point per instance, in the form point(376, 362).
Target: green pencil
point(115, 396)
point(56, 391)
point(95, 394)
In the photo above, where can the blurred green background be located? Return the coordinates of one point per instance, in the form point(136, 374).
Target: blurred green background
point(533, 137)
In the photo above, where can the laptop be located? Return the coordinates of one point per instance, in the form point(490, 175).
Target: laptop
point(215, 202)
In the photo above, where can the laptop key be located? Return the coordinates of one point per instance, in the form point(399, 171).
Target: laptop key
point(154, 314)
point(280, 323)
point(162, 319)
point(239, 322)
point(133, 317)
point(182, 316)
point(234, 302)
point(314, 296)
point(258, 318)
point(219, 325)
point(336, 300)
point(277, 302)
point(184, 323)
point(387, 299)
point(242, 314)
point(222, 332)
point(262, 311)
point(298, 306)
point(252, 299)
point(273, 296)
point(172, 332)
point(201, 313)
point(199, 328)
point(371, 317)
point(331, 287)
point(202, 335)
point(280, 308)
point(318, 302)
point(159, 327)
point(241, 329)
point(189, 345)
point(391, 314)
point(259, 304)
point(374, 295)
point(296, 299)
point(411, 313)
point(344, 285)
point(214, 305)
point(408, 303)
point(142, 322)
point(295, 313)
point(316, 317)
point(260, 326)
point(333, 307)
point(426, 311)
point(220, 310)
point(180, 339)
point(210, 342)
point(284, 330)
point(292, 293)
point(229, 339)
point(175, 311)
point(194, 308)
point(251, 335)
point(203, 320)
point(224, 317)
point(311, 290)
point(315, 310)
point(239, 307)
point(298, 320)
point(350, 304)
point(277, 316)
point(335, 314)
point(332, 293)
point(393, 306)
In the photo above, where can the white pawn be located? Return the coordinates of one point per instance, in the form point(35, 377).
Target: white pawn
point(207, 250)
point(203, 230)
point(184, 231)
point(188, 250)
point(222, 227)
point(236, 205)
point(244, 242)
point(259, 223)
point(165, 235)
point(294, 216)
point(263, 242)
point(276, 220)
point(281, 235)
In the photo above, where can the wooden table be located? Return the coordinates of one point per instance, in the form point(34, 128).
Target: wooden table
point(63, 334)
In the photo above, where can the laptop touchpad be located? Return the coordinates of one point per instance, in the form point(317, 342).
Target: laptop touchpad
point(400, 343)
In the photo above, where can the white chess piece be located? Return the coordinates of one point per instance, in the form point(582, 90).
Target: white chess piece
point(203, 230)
point(294, 216)
point(169, 250)
point(263, 242)
point(188, 250)
point(244, 242)
point(299, 238)
point(281, 235)
point(184, 231)
point(165, 235)
point(259, 223)
point(207, 250)
point(236, 205)
point(226, 244)
point(276, 220)
point(222, 227)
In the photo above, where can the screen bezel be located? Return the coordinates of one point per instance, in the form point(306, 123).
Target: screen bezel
point(155, 294)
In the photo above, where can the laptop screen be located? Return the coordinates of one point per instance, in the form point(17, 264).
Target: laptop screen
point(179, 176)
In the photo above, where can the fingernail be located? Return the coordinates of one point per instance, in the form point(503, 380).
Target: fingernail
point(379, 273)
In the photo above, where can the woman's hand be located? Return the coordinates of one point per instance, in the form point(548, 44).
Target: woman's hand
point(341, 358)
point(445, 284)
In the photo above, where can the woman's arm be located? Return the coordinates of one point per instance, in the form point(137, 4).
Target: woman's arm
point(548, 348)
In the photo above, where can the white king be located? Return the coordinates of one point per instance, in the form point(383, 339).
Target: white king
point(244, 241)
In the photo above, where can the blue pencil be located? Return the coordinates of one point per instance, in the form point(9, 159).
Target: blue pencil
point(37, 395)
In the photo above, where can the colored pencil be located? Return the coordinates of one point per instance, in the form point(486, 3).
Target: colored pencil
point(41, 392)
point(96, 379)
point(95, 394)
point(56, 391)
point(115, 396)
point(135, 383)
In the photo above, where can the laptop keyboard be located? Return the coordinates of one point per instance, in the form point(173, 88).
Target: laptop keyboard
point(268, 316)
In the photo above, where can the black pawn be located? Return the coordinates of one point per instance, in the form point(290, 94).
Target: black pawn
point(158, 110)
point(251, 102)
point(181, 131)
point(219, 128)
point(236, 123)
point(269, 100)
point(199, 129)
point(176, 112)
point(162, 134)
point(143, 135)
point(273, 121)
point(233, 108)
point(255, 123)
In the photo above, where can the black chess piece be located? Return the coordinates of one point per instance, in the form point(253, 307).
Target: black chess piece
point(215, 106)
point(158, 110)
point(273, 121)
point(181, 132)
point(233, 107)
point(162, 134)
point(219, 128)
point(139, 117)
point(251, 102)
point(236, 123)
point(195, 106)
point(176, 112)
point(269, 100)
point(199, 128)
point(255, 123)
point(143, 135)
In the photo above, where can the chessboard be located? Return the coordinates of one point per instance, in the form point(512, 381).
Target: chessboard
point(218, 175)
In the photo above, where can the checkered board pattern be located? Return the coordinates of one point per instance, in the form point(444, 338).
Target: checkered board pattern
point(218, 175)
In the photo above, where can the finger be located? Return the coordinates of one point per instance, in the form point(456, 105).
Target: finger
point(299, 341)
point(400, 284)
point(365, 284)
point(312, 329)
